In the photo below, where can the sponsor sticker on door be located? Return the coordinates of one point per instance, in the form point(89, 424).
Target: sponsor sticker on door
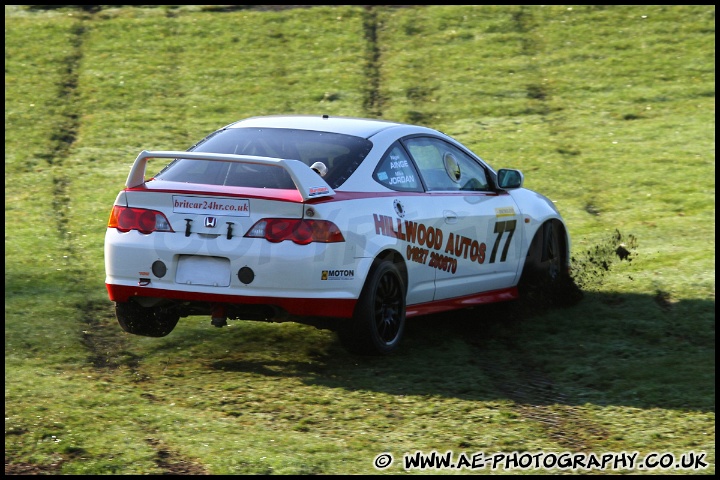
point(339, 274)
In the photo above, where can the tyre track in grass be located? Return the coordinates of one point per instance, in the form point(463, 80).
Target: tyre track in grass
point(514, 373)
point(95, 315)
point(516, 376)
point(61, 143)
point(540, 94)
point(63, 138)
point(535, 396)
point(100, 335)
point(539, 91)
point(103, 354)
point(372, 101)
point(109, 354)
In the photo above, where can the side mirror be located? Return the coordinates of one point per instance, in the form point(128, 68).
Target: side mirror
point(509, 178)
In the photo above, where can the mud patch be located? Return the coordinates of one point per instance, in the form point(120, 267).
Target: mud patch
point(104, 339)
point(52, 468)
point(515, 375)
point(663, 300)
point(23, 468)
point(173, 464)
point(537, 399)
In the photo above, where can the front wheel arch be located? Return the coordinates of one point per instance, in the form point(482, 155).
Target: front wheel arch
point(545, 277)
point(548, 251)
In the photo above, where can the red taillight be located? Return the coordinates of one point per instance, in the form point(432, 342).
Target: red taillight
point(300, 231)
point(127, 219)
point(143, 220)
point(278, 230)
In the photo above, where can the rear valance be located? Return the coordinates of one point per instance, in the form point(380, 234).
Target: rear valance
point(308, 182)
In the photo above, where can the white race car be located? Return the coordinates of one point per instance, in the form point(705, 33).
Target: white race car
point(344, 223)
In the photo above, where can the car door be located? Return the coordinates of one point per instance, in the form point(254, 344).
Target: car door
point(471, 231)
point(410, 223)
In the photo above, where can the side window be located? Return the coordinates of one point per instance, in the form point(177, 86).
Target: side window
point(397, 172)
point(444, 167)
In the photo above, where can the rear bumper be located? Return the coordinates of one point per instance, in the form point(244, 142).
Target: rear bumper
point(212, 269)
point(302, 307)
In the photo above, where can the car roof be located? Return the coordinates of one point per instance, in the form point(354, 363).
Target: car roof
point(360, 127)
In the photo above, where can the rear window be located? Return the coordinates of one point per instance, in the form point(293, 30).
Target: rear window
point(341, 154)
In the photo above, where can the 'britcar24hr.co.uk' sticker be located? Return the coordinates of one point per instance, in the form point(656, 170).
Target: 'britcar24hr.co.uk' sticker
point(236, 207)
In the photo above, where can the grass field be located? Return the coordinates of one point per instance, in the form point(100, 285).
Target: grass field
point(608, 110)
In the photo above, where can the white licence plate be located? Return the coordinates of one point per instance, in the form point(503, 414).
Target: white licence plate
point(199, 270)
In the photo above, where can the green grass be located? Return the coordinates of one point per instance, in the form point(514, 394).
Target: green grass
point(609, 110)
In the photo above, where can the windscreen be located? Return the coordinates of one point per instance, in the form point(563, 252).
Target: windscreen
point(341, 155)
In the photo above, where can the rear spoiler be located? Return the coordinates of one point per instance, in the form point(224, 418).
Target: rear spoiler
point(308, 182)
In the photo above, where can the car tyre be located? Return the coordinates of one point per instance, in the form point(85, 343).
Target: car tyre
point(545, 280)
point(145, 321)
point(378, 323)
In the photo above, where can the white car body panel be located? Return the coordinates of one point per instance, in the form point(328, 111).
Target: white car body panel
point(364, 240)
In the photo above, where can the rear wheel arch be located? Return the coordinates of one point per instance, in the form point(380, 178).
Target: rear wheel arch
point(156, 321)
point(397, 259)
point(378, 323)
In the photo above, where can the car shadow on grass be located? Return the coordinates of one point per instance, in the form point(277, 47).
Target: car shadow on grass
point(610, 349)
point(591, 346)
point(604, 348)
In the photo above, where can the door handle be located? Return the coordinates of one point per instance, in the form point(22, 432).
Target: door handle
point(450, 216)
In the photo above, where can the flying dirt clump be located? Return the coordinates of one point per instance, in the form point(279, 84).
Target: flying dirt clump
point(591, 266)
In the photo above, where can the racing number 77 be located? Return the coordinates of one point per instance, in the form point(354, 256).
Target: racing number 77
point(500, 228)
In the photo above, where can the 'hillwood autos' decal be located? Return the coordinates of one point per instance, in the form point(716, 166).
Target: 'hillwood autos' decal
point(425, 242)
